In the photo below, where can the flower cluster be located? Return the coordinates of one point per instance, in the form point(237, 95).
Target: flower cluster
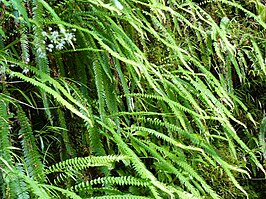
point(57, 40)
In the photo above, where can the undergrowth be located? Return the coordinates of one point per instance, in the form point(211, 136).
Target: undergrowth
point(132, 99)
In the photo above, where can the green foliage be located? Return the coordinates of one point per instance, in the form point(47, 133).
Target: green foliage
point(151, 99)
point(262, 137)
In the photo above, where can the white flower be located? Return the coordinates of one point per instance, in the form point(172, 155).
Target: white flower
point(50, 29)
point(54, 36)
point(62, 41)
point(69, 36)
point(59, 46)
point(58, 39)
point(50, 46)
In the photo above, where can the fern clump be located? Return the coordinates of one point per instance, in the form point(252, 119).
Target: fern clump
point(132, 99)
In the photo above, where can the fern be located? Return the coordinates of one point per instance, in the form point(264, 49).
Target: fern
point(7, 183)
point(40, 50)
point(208, 149)
point(54, 94)
point(14, 173)
point(65, 192)
point(121, 181)
point(167, 84)
point(65, 134)
point(126, 196)
point(5, 133)
point(21, 186)
point(30, 150)
point(92, 136)
point(169, 168)
point(138, 165)
point(77, 164)
point(262, 137)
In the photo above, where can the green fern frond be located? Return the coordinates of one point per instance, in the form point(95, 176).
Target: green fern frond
point(177, 105)
point(262, 137)
point(166, 138)
point(65, 134)
point(196, 139)
point(92, 136)
point(76, 164)
point(206, 149)
point(54, 93)
point(65, 192)
point(259, 58)
point(126, 196)
point(5, 131)
point(187, 168)
point(124, 180)
point(31, 154)
point(71, 168)
point(168, 167)
point(8, 185)
point(105, 190)
point(21, 186)
point(20, 7)
point(33, 187)
point(42, 62)
point(121, 181)
point(25, 45)
point(137, 163)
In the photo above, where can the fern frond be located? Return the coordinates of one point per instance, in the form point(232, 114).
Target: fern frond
point(166, 138)
point(176, 104)
point(34, 186)
point(8, 185)
point(106, 190)
point(124, 180)
point(14, 173)
point(55, 94)
point(65, 192)
point(167, 166)
point(21, 186)
point(25, 45)
point(31, 154)
point(4, 131)
point(19, 6)
point(262, 137)
point(186, 167)
point(92, 136)
point(77, 164)
point(137, 163)
point(42, 61)
point(207, 149)
point(126, 196)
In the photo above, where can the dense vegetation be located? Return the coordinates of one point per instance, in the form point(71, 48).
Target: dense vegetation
point(132, 99)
